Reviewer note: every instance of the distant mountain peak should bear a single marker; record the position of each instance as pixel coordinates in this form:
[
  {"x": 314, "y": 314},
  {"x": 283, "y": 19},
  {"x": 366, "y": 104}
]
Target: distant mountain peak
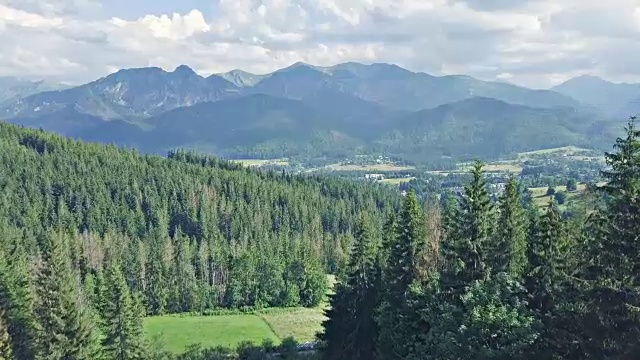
[
  {"x": 149, "y": 69},
  {"x": 241, "y": 78},
  {"x": 184, "y": 69},
  {"x": 299, "y": 66}
]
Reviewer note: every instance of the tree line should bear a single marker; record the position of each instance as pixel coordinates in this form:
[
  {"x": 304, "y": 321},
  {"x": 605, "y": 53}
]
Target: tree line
[{"x": 475, "y": 279}]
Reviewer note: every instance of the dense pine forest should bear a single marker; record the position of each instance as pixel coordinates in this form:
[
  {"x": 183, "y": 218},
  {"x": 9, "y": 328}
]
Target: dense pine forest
[
  {"x": 95, "y": 234},
  {"x": 94, "y": 238}
]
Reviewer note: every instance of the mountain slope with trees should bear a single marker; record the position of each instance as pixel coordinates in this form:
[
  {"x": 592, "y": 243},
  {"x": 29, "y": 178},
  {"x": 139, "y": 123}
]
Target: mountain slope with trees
[
  {"x": 264, "y": 126},
  {"x": 189, "y": 233}
]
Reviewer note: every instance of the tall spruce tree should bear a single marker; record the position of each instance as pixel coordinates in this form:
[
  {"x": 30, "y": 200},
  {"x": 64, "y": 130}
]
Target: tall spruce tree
[
  {"x": 510, "y": 245},
  {"x": 6, "y": 348},
  {"x": 389, "y": 237},
  {"x": 467, "y": 242},
  {"x": 123, "y": 338},
  {"x": 64, "y": 328},
  {"x": 546, "y": 278},
  {"x": 350, "y": 329},
  {"x": 612, "y": 266},
  {"x": 405, "y": 267},
  {"x": 17, "y": 299}
]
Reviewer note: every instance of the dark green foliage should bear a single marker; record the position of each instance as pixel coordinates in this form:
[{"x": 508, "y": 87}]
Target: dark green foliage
[
  {"x": 551, "y": 191},
  {"x": 509, "y": 248},
  {"x": 522, "y": 285},
  {"x": 123, "y": 338},
  {"x": 189, "y": 231},
  {"x": 6, "y": 344},
  {"x": 560, "y": 197},
  {"x": 546, "y": 277},
  {"x": 16, "y": 297},
  {"x": 611, "y": 263},
  {"x": 493, "y": 322},
  {"x": 467, "y": 245},
  {"x": 64, "y": 328},
  {"x": 350, "y": 323},
  {"x": 406, "y": 267},
  {"x": 572, "y": 185}
]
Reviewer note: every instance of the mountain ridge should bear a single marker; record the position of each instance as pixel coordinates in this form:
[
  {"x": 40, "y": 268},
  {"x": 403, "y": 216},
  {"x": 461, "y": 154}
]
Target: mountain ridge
[
  {"x": 307, "y": 111},
  {"x": 146, "y": 92}
]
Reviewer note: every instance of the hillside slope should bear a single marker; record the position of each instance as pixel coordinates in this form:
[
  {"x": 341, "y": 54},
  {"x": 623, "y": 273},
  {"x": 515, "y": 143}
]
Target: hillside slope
[
  {"x": 483, "y": 127},
  {"x": 190, "y": 231}
]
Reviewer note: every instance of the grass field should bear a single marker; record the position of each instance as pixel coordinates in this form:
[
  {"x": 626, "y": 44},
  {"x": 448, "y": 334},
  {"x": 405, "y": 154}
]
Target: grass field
[
  {"x": 371, "y": 167},
  {"x": 176, "y": 333},
  {"x": 261, "y": 162},
  {"x": 397, "y": 181},
  {"x": 302, "y": 324}
]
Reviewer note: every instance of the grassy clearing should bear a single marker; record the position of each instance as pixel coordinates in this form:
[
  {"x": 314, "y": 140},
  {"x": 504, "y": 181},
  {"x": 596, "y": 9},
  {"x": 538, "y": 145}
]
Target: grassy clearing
[
  {"x": 177, "y": 333},
  {"x": 262, "y": 162},
  {"x": 511, "y": 168},
  {"x": 301, "y": 323},
  {"x": 371, "y": 167},
  {"x": 541, "y": 199},
  {"x": 493, "y": 167},
  {"x": 569, "y": 150},
  {"x": 397, "y": 181}
]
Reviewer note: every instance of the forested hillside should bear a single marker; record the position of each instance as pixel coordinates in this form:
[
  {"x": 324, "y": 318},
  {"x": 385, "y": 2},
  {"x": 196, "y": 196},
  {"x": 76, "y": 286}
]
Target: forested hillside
[{"x": 190, "y": 232}]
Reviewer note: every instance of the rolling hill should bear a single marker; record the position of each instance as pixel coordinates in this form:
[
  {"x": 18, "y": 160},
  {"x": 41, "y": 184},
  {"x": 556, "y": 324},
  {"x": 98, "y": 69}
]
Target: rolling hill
[
  {"x": 492, "y": 128},
  {"x": 264, "y": 126}
]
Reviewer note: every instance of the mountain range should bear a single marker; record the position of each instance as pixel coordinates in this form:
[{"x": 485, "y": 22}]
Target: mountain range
[{"x": 311, "y": 112}]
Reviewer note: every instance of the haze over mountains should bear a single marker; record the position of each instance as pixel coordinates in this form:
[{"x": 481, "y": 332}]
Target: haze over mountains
[{"x": 334, "y": 112}]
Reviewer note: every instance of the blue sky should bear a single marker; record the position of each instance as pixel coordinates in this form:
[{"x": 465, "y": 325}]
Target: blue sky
[{"x": 537, "y": 43}]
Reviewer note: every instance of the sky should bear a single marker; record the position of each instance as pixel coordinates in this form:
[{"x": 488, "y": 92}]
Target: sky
[{"x": 535, "y": 43}]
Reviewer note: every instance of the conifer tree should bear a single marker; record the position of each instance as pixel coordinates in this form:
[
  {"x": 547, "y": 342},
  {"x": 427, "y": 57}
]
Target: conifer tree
[
  {"x": 350, "y": 328},
  {"x": 17, "y": 300},
  {"x": 6, "y": 348},
  {"x": 509, "y": 249},
  {"x": 467, "y": 243},
  {"x": 389, "y": 237},
  {"x": 64, "y": 328},
  {"x": 156, "y": 272},
  {"x": 404, "y": 268},
  {"x": 546, "y": 255},
  {"x": 612, "y": 266},
  {"x": 123, "y": 331}
]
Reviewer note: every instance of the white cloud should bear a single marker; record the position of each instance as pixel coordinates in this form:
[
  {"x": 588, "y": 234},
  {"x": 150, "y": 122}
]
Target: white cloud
[{"x": 532, "y": 42}]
